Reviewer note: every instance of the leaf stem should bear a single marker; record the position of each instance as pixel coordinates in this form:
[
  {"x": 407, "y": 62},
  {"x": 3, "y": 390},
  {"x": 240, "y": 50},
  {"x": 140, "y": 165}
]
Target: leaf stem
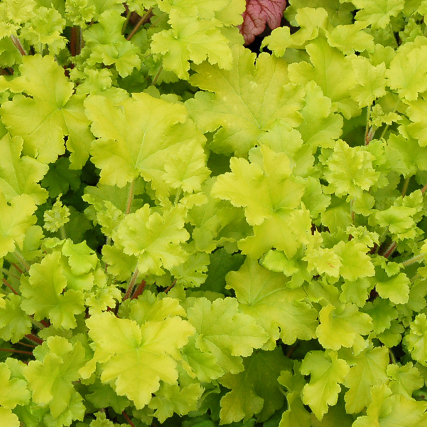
[
  {"x": 63, "y": 233},
  {"x": 10, "y": 274},
  {"x": 390, "y": 250},
  {"x": 34, "y": 338},
  {"x": 37, "y": 324},
  {"x": 170, "y": 287},
  {"x": 156, "y": 77},
  {"x": 129, "y": 421},
  {"x": 413, "y": 260},
  {"x": 21, "y": 259},
  {"x": 76, "y": 41},
  {"x": 405, "y": 185},
  {"x": 177, "y": 196},
  {"x": 130, "y": 197},
  {"x": 131, "y": 284},
  {"x": 26, "y": 345},
  {"x": 9, "y": 286},
  {"x": 10, "y": 350},
  {"x": 144, "y": 19},
  {"x": 18, "y": 45},
  {"x": 125, "y": 24},
  {"x": 17, "y": 267},
  {"x": 139, "y": 290}
]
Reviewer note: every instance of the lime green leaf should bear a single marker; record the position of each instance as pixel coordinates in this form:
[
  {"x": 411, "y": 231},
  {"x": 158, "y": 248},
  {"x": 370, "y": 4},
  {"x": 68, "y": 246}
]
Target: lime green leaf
[
  {"x": 321, "y": 260},
  {"x": 369, "y": 369},
  {"x": 50, "y": 377},
  {"x": 16, "y": 218},
  {"x": 191, "y": 39},
  {"x": 79, "y": 12},
  {"x": 56, "y": 217},
  {"x": 416, "y": 340},
  {"x": 388, "y": 410},
  {"x": 309, "y": 19},
  {"x": 14, "y": 322},
  {"x": 399, "y": 220},
  {"x": 118, "y": 263},
  {"x": 282, "y": 312},
  {"x": 355, "y": 261},
  {"x": 200, "y": 8},
  {"x": 258, "y": 93},
  {"x": 405, "y": 379},
  {"x": 392, "y": 336},
  {"x": 332, "y": 71},
  {"x": 382, "y": 314},
  {"x": 370, "y": 80},
  {"x": 43, "y": 294},
  {"x": 377, "y": 13},
  {"x": 351, "y": 38},
  {"x": 8, "y": 418},
  {"x": 171, "y": 398},
  {"x": 20, "y": 175},
  {"x": 321, "y": 126},
  {"x": 286, "y": 232},
  {"x": 255, "y": 391},
  {"x": 44, "y": 30},
  {"x": 296, "y": 415},
  {"x": 416, "y": 112},
  {"x": 13, "y": 391},
  {"x": 135, "y": 358},
  {"x": 395, "y": 288},
  {"x": 263, "y": 190},
  {"x": 405, "y": 155},
  {"x": 327, "y": 371},
  {"x": 154, "y": 307},
  {"x": 343, "y": 327},
  {"x": 105, "y": 44},
  {"x": 225, "y": 332},
  {"x": 136, "y": 136},
  {"x": 153, "y": 238},
  {"x": 186, "y": 169},
  {"x": 202, "y": 364},
  {"x": 350, "y": 170},
  {"x": 407, "y": 72},
  {"x": 193, "y": 272},
  {"x": 47, "y": 113},
  {"x": 81, "y": 258},
  {"x": 103, "y": 5}
]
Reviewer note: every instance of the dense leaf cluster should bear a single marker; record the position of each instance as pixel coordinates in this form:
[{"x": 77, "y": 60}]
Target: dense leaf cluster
[{"x": 192, "y": 234}]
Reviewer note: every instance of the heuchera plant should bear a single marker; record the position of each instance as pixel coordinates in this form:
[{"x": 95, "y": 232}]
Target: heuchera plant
[{"x": 194, "y": 235}]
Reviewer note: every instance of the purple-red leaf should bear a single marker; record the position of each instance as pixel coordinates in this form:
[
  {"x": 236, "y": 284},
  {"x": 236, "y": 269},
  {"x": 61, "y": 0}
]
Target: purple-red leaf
[{"x": 257, "y": 14}]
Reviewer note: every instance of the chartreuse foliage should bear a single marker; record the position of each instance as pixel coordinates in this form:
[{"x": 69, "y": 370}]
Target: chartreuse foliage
[{"x": 192, "y": 234}]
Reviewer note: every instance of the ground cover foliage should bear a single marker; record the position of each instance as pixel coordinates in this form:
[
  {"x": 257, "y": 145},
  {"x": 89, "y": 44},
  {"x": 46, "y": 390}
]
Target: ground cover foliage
[{"x": 192, "y": 234}]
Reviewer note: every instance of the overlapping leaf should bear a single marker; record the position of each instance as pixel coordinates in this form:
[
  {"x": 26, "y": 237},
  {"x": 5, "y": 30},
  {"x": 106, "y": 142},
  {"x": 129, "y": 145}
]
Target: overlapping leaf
[
  {"x": 244, "y": 102},
  {"x": 43, "y": 293},
  {"x": 255, "y": 391},
  {"x": 327, "y": 372},
  {"x": 47, "y": 113},
  {"x": 155, "y": 239},
  {"x": 225, "y": 332},
  {"x": 135, "y": 137},
  {"x": 135, "y": 358},
  {"x": 50, "y": 377},
  {"x": 282, "y": 312},
  {"x": 271, "y": 198}
]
